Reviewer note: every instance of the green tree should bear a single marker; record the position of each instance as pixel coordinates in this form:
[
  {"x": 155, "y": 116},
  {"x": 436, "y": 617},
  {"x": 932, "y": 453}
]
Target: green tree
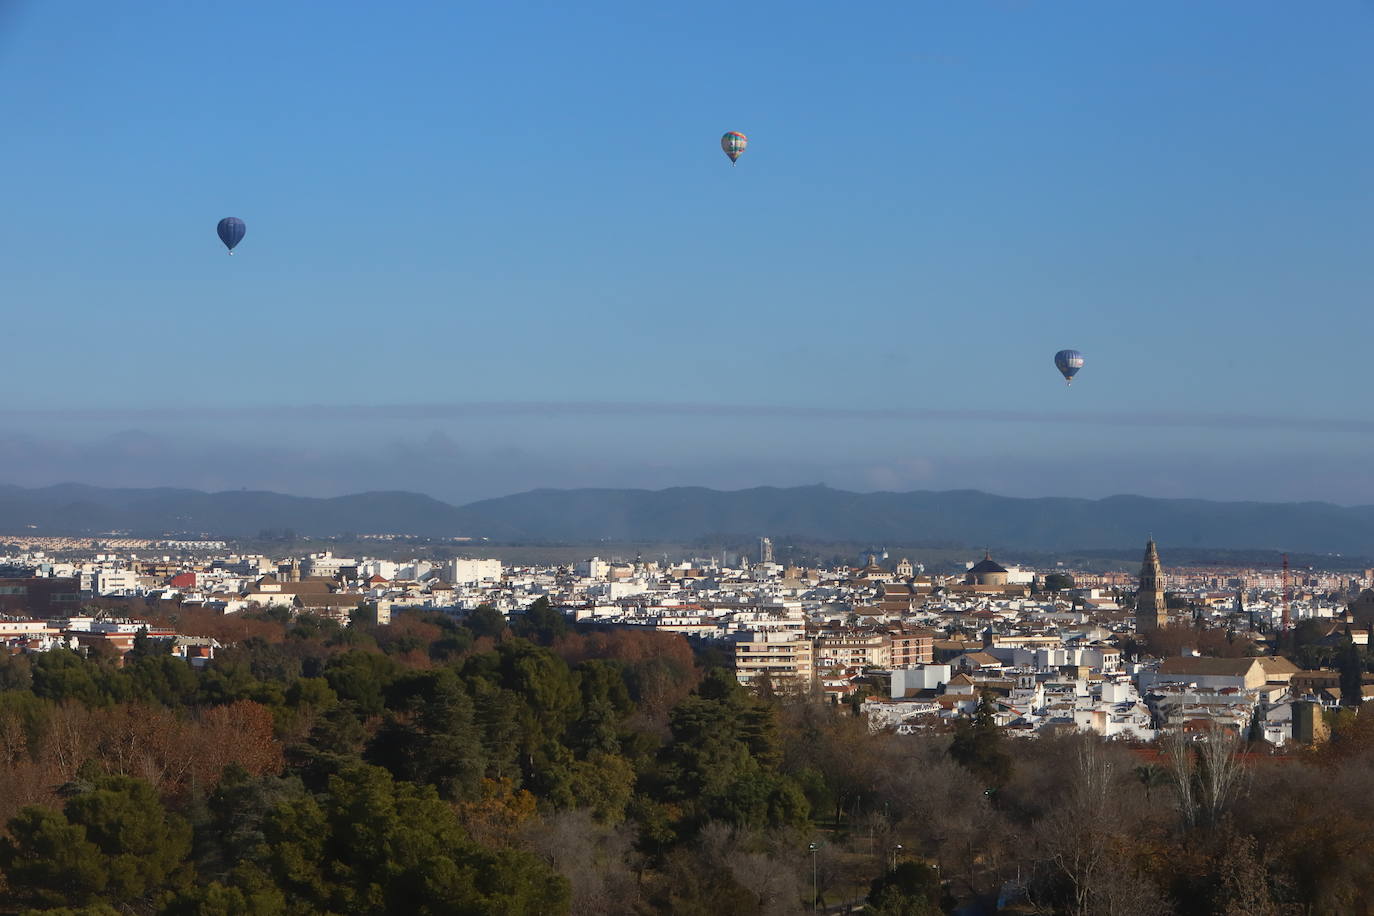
[
  {"x": 362, "y": 678},
  {"x": 230, "y": 830},
  {"x": 980, "y": 747},
  {"x": 431, "y": 735},
  {"x": 1151, "y": 776},
  {"x": 48, "y": 861},
  {"x": 1351, "y": 667},
  {"x": 485, "y": 620},
  {"x": 605, "y": 704},
  {"x": 542, "y": 622},
  {"x": 372, "y": 845},
  {"x": 162, "y": 679},
  {"x": 312, "y": 693},
  {"x": 494, "y": 711},
  {"x": 364, "y": 615},
  {"x": 1058, "y": 582},
  {"x": 251, "y": 896},
  {"x": 116, "y": 844},
  {"x": 547, "y": 688},
  {"x": 142, "y": 647},
  {"x": 61, "y": 674},
  {"x": 722, "y": 761},
  {"x": 603, "y": 783},
  {"x": 910, "y": 889},
  {"x": 144, "y": 846}
]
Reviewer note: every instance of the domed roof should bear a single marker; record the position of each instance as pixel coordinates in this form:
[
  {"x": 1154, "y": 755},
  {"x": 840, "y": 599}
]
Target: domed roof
[{"x": 987, "y": 565}]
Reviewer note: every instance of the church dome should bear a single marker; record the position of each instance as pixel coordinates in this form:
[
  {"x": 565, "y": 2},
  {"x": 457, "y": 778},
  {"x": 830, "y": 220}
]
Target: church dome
[
  {"x": 987, "y": 565},
  {"x": 987, "y": 572}
]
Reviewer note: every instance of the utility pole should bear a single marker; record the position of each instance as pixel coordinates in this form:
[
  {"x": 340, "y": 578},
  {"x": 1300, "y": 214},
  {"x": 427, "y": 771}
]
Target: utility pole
[{"x": 815, "y": 895}]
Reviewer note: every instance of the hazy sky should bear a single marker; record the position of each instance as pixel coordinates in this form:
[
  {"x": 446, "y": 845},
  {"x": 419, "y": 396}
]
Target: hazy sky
[{"x": 493, "y": 246}]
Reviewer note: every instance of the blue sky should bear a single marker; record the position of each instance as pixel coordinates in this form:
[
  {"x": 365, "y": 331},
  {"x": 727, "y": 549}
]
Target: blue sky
[{"x": 475, "y": 205}]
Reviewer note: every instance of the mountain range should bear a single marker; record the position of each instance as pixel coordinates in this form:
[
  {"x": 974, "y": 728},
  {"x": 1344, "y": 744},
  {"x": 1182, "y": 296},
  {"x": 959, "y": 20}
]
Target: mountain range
[{"x": 966, "y": 518}]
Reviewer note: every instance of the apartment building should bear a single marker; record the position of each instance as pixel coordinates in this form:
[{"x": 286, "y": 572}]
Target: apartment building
[{"x": 785, "y": 657}]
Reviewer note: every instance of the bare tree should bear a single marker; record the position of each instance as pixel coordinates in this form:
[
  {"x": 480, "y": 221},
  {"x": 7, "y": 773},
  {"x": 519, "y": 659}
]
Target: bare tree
[
  {"x": 1219, "y": 774},
  {"x": 1077, "y": 834},
  {"x": 594, "y": 858},
  {"x": 1206, "y": 774},
  {"x": 1086, "y": 849}
]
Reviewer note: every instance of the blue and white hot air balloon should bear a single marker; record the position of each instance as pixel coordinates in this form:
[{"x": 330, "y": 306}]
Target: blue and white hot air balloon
[
  {"x": 231, "y": 230},
  {"x": 1068, "y": 362}
]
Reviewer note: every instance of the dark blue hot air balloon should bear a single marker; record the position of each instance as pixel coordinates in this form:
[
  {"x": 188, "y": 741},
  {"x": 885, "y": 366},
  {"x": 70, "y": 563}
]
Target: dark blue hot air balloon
[
  {"x": 1068, "y": 362},
  {"x": 231, "y": 230}
]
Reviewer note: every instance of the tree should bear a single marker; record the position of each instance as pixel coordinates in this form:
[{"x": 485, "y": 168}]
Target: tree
[
  {"x": 485, "y": 620},
  {"x": 142, "y": 646},
  {"x": 542, "y": 622},
  {"x": 1351, "y": 667},
  {"x": 722, "y": 761},
  {"x": 431, "y": 736},
  {"x": 980, "y": 747},
  {"x": 48, "y": 861},
  {"x": 1206, "y": 775},
  {"x": 116, "y": 844},
  {"x": 603, "y": 784},
  {"x": 910, "y": 889},
  {"x": 230, "y": 829},
  {"x": 362, "y": 677},
  {"x": 605, "y": 704},
  {"x": 161, "y": 678},
  {"x": 364, "y": 615},
  {"x": 1151, "y": 776},
  {"x": 369, "y": 844},
  {"x": 1058, "y": 582},
  {"x": 144, "y": 846},
  {"x": 61, "y": 674}
]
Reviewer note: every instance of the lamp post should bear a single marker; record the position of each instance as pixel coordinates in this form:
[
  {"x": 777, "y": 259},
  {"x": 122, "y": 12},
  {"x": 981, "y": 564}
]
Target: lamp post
[
  {"x": 814, "y": 894},
  {"x": 895, "y": 849}
]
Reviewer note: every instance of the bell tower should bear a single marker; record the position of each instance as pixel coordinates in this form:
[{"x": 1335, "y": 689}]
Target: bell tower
[{"x": 1151, "y": 613}]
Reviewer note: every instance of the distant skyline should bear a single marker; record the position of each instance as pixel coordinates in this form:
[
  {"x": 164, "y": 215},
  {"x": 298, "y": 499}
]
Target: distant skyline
[{"x": 496, "y": 246}]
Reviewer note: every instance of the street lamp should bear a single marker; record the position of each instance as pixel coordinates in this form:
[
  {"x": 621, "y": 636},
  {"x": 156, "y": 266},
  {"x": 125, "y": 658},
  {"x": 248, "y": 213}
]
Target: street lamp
[
  {"x": 895, "y": 849},
  {"x": 814, "y": 895}
]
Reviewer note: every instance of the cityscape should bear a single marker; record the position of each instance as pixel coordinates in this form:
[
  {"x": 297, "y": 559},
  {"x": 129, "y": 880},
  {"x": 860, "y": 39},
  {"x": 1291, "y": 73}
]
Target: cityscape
[
  {"x": 1262, "y": 665},
  {"x": 1058, "y": 649},
  {"x": 506, "y": 458}
]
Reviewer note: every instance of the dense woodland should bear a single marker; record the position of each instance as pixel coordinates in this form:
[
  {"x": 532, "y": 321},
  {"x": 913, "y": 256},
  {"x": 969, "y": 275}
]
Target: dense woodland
[{"x": 445, "y": 767}]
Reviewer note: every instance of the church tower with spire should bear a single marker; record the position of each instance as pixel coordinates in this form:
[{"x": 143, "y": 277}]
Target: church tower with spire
[{"x": 1151, "y": 613}]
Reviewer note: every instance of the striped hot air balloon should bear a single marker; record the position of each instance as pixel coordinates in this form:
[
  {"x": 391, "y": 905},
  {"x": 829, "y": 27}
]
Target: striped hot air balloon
[
  {"x": 1068, "y": 362},
  {"x": 734, "y": 144}
]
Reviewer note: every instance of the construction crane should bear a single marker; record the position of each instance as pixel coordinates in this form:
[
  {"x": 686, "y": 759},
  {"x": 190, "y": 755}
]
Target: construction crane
[{"x": 1287, "y": 594}]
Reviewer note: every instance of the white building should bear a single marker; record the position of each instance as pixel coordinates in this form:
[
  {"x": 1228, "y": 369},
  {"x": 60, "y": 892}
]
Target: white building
[
  {"x": 324, "y": 565},
  {"x": 906, "y": 681},
  {"x": 115, "y": 582},
  {"x": 595, "y": 568},
  {"x": 472, "y": 572}
]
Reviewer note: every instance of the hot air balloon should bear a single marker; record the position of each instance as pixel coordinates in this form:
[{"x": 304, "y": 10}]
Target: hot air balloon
[
  {"x": 734, "y": 144},
  {"x": 231, "y": 230},
  {"x": 1068, "y": 362}
]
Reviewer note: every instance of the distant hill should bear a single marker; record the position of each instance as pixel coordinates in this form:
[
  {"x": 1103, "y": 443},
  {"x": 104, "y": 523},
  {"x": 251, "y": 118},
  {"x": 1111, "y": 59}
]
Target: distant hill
[
  {"x": 953, "y": 518},
  {"x": 77, "y": 509}
]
